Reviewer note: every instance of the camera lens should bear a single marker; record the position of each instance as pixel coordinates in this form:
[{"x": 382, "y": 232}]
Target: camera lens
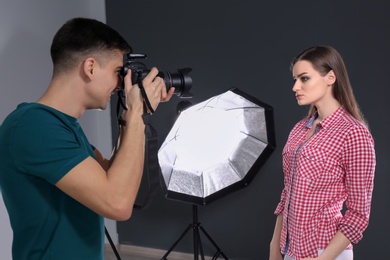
[{"x": 180, "y": 80}]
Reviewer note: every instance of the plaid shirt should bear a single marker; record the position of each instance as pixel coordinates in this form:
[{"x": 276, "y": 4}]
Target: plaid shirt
[{"x": 334, "y": 166}]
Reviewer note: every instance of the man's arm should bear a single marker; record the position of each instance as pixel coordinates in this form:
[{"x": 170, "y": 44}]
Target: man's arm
[
  {"x": 104, "y": 163},
  {"x": 111, "y": 193}
]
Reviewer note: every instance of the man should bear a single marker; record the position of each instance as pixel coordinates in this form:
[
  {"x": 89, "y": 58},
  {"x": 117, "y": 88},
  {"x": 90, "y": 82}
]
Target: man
[{"x": 56, "y": 186}]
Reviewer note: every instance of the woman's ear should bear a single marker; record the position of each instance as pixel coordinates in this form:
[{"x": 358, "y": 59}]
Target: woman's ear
[{"x": 330, "y": 78}]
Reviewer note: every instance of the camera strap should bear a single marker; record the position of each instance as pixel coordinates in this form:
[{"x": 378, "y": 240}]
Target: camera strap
[
  {"x": 122, "y": 98},
  {"x": 151, "y": 169},
  {"x": 144, "y": 96},
  {"x": 151, "y": 165}
]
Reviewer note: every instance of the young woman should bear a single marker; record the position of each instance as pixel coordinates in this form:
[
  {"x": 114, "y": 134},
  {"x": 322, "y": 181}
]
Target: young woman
[{"x": 328, "y": 160}]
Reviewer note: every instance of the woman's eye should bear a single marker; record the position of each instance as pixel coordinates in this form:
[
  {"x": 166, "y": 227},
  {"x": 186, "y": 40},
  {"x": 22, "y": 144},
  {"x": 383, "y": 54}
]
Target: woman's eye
[{"x": 304, "y": 79}]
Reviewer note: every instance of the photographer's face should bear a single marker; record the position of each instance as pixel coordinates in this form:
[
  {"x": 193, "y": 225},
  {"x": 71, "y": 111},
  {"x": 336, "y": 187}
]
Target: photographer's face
[{"x": 107, "y": 80}]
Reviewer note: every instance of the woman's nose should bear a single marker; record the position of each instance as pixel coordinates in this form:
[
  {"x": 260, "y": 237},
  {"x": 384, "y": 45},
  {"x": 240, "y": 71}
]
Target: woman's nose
[{"x": 295, "y": 86}]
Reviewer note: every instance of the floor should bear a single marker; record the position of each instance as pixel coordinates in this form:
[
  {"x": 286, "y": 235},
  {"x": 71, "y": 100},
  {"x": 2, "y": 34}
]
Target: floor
[
  {"x": 110, "y": 255},
  {"x": 139, "y": 253}
]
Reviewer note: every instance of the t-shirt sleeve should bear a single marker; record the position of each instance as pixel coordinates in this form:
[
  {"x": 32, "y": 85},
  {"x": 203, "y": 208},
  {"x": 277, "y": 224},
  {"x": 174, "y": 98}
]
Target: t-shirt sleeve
[{"x": 47, "y": 146}]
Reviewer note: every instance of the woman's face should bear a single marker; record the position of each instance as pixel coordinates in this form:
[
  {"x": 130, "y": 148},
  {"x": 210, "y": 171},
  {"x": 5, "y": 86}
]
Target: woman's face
[{"x": 310, "y": 87}]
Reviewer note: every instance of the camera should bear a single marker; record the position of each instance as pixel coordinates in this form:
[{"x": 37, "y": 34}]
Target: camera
[{"x": 180, "y": 80}]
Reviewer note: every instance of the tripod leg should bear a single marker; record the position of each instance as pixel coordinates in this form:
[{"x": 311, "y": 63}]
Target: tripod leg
[
  {"x": 197, "y": 244},
  {"x": 112, "y": 244},
  {"x": 219, "y": 251},
  {"x": 177, "y": 242},
  {"x": 198, "y": 249}
]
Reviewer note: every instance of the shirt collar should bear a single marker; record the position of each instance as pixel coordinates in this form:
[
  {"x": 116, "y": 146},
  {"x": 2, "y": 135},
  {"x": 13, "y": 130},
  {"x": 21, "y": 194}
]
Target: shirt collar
[
  {"x": 310, "y": 123},
  {"x": 327, "y": 121}
]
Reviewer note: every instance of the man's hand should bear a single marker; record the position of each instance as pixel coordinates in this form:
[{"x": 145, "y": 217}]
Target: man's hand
[{"x": 154, "y": 86}]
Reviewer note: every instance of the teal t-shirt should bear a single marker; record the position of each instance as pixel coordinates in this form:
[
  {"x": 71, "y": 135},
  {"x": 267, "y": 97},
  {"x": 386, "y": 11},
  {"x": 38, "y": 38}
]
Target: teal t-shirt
[{"x": 38, "y": 146}]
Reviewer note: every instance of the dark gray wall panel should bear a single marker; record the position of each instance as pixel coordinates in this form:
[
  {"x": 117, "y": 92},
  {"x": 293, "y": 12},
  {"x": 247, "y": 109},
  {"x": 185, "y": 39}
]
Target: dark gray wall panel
[{"x": 249, "y": 44}]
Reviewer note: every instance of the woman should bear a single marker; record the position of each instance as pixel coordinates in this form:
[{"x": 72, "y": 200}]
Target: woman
[{"x": 328, "y": 160}]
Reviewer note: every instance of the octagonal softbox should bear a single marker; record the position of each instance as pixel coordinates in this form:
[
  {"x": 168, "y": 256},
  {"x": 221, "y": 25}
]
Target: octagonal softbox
[{"x": 216, "y": 147}]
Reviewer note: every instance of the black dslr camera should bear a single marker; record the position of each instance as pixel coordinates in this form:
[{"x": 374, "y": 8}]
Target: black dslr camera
[{"x": 180, "y": 80}]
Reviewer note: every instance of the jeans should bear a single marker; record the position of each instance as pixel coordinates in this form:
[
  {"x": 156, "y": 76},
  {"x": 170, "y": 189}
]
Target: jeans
[{"x": 345, "y": 255}]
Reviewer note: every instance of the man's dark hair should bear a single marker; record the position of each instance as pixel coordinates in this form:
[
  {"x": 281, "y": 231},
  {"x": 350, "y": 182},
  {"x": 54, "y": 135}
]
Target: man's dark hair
[{"x": 79, "y": 38}]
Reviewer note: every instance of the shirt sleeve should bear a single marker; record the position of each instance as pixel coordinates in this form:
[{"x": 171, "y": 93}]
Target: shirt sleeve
[
  {"x": 46, "y": 146},
  {"x": 280, "y": 207},
  {"x": 359, "y": 162}
]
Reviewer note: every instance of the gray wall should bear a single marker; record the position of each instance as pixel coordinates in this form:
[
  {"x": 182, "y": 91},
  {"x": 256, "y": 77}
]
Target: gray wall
[
  {"x": 249, "y": 44},
  {"x": 26, "y": 31}
]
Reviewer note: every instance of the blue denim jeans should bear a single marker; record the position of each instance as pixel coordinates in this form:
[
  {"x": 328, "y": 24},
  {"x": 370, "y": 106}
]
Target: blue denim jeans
[{"x": 345, "y": 255}]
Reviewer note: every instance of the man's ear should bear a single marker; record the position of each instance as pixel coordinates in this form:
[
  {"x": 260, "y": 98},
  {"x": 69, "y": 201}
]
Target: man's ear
[
  {"x": 88, "y": 67},
  {"x": 331, "y": 78}
]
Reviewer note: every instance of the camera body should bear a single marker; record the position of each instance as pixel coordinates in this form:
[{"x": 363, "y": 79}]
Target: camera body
[{"x": 180, "y": 80}]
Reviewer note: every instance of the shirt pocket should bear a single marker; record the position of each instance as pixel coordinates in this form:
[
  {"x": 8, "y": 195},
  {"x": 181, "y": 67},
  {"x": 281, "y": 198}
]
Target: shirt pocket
[
  {"x": 311, "y": 163},
  {"x": 289, "y": 156}
]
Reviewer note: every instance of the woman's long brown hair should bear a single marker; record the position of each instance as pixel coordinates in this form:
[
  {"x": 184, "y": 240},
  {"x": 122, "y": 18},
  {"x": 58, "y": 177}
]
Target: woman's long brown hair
[{"x": 325, "y": 59}]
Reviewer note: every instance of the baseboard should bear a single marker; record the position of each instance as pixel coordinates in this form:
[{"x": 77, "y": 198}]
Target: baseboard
[{"x": 153, "y": 253}]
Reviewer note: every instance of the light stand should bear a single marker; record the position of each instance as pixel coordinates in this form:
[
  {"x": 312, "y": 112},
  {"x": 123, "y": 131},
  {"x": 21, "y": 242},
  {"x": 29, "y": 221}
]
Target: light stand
[
  {"x": 214, "y": 148},
  {"x": 196, "y": 228},
  {"x": 112, "y": 244}
]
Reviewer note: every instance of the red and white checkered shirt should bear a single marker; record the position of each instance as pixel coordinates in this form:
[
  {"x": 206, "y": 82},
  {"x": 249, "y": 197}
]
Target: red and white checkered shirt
[{"x": 336, "y": 165}]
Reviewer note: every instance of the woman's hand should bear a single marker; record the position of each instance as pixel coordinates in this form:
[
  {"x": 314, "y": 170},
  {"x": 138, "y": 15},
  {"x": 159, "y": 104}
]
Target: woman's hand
[
  {"x": 274, "y": 247},
  {"x": 274, "y": 251}
]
